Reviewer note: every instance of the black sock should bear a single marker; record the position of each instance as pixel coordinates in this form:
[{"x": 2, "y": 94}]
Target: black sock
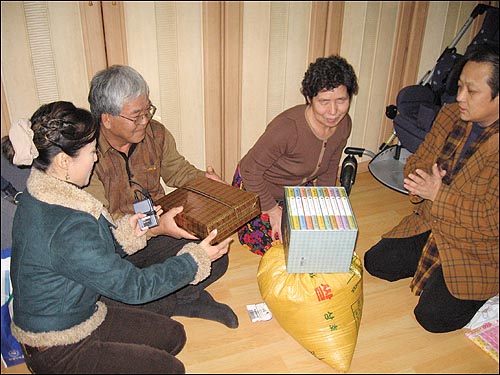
[{"x": 206, "y": 307}]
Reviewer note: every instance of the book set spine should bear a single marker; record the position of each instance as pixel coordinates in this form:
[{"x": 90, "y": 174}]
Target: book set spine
[
  {"x": 305, "y": 205},
  {"x": 319, "y": 208},
  {"x": 347, "y": 208},
  {"x": 293, "y": 212},
  {"x": 312, "y": 209}
]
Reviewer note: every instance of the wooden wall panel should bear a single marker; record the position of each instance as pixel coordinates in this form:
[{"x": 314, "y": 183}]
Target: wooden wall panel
[
  {"x": 114, "y": 31},
  {"x": 41, "y": 50},
  {"x": 255, "y": 75},
  {"x": 213, "y": 29},
  {"x": 405, "y": 54},
  {"x": 93, "y": 37},
  {"x": 5, "y": 114},
  {"x": 327, "y": 19},
  {"x": 296, "y": 53},
  {"x": 232, "y": 86},
  {"x": 367, "y": 39},
  {"x": 68, "y": 48},
  {"x": 191, "y": 84},
  {"x": 43, "y": 57},
  {"x": 168, "y": 51},
  {"x": 18, "y": 78},
  {"x": 220, "y": 71},
  {"x": 433, "y": 37},
  {"x": 275, "y": 57},
  {"x": 278, "y": 35}
]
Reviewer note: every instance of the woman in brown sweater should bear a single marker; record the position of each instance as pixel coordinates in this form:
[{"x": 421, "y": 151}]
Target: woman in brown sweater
[{"x": 301, "y": 146}]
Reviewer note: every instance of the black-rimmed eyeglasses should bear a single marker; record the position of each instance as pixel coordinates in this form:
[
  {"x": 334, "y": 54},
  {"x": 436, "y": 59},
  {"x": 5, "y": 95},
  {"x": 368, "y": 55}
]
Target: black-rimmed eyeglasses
[{"x": 140, "y": 118}]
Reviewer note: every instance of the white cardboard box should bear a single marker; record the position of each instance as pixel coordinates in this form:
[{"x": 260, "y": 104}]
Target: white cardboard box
[{"x": 319, "y": 229}]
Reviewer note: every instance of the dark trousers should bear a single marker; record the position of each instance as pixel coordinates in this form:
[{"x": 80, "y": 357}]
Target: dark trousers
[
  {"x": 157, "y": 251},
  {"x": 129, "y": 341},
  {"x": 437, "y": 309}
]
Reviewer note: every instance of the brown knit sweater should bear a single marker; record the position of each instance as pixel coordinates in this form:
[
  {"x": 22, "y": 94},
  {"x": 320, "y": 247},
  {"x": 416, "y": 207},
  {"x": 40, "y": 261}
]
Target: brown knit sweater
[{"x": 288, "y": 153}]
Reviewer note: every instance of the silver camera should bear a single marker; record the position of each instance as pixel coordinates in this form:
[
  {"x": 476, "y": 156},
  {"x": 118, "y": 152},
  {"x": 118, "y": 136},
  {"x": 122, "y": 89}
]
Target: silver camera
[{"x": 146, "y": 207}]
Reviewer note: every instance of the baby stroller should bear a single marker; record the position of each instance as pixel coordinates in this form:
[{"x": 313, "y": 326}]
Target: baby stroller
[{"x": 416, "y": 108}]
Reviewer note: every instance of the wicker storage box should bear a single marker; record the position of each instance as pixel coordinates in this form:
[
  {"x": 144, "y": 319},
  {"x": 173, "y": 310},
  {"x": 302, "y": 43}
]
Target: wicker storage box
[
  {"x": 210, "y": 205},
  {"x": 319, "y": 229}
]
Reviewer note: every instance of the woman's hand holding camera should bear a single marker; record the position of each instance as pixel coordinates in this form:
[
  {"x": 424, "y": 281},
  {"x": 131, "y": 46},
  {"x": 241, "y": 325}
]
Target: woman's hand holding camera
[{"x": 134, "y": 221}]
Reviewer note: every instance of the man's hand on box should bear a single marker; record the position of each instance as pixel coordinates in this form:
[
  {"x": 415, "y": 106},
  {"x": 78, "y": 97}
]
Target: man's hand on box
[
  {"x": 210, "y": 173},
  {"x": 168, "y": 226}
]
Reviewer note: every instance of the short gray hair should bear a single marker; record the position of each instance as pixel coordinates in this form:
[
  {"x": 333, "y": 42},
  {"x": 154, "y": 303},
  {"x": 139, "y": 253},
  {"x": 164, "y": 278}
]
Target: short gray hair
[{"x": 112, "y": 87}]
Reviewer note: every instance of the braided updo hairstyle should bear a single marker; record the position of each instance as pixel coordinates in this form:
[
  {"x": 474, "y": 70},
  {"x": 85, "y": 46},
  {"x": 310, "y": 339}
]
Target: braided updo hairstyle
[{"x": 57, "y": 126}]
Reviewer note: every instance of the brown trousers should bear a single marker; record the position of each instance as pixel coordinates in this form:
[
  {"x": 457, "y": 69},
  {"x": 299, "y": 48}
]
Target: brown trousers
[{"x": 131, "y": 340}]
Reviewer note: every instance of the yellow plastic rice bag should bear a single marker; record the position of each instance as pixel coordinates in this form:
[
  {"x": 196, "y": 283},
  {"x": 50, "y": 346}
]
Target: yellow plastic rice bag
[{"x": 321, "y": 311}]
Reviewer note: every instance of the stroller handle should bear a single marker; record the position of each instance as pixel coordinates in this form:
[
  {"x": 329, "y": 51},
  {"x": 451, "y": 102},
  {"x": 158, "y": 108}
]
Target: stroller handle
[
  {"x": 358, "y": 151},
  {"x": 478, "y": 10}
]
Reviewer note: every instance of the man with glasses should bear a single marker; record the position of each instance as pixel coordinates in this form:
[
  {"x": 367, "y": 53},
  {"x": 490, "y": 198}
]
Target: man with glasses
[
  {"x": 449, "y": 243},
  {"x": 135, "y": 152}
]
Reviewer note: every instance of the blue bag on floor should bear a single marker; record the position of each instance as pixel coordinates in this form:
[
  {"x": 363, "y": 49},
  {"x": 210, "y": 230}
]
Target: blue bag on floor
[
  {"x": 13, "y": 183},
  {"x": 12, "y": 353}
]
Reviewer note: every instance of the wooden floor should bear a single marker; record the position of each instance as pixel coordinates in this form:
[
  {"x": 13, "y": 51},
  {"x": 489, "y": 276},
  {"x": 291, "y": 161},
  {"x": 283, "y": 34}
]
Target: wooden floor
[{"x": 389, "y": 341}]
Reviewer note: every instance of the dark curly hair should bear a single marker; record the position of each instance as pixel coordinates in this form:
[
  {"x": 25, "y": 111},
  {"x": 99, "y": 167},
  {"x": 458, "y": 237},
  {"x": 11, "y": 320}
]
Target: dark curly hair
[
  {"x": 327, "y": 73},
  {"x": 57, "y": 126}
]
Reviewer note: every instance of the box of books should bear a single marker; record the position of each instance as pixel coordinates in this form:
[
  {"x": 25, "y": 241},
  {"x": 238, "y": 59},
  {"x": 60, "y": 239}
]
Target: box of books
[{"x": 319, "y": 229}]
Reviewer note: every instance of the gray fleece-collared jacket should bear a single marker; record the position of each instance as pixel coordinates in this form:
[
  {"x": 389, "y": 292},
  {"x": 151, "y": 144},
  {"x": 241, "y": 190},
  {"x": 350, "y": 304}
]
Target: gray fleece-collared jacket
[{"x": 67, "y": 251}]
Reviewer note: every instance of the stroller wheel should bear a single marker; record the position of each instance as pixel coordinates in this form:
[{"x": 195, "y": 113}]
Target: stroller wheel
[{"x": 348, "y": 173}]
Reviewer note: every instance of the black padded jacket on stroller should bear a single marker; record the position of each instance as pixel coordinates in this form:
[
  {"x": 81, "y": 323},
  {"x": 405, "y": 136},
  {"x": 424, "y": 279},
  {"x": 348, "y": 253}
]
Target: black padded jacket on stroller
[{"x": 418, "y": 105}]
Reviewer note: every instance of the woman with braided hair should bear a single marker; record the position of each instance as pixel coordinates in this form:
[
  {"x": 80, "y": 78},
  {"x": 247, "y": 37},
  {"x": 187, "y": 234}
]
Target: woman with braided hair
[{"x": 67, "y": 251}]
